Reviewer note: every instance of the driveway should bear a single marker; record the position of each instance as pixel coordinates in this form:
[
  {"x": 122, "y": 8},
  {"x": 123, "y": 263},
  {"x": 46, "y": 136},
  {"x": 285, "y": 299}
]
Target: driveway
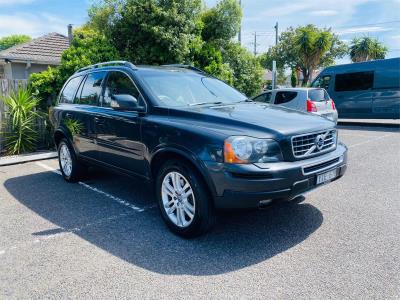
[{"x": 104, "y": 238}]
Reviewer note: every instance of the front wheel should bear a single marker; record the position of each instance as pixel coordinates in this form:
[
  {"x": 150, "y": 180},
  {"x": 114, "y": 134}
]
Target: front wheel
[
  {"x": 70, "y": 167},
  {"x": 183, "y": 199}
]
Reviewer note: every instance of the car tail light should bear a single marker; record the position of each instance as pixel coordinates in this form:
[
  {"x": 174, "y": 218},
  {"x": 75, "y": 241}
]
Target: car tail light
[
  {"x": 333, "y": 105},
  {"x": 311, "y": 106}
]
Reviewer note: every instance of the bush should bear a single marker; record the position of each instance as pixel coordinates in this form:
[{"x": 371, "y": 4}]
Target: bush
[{"x": 19, "y": 129}]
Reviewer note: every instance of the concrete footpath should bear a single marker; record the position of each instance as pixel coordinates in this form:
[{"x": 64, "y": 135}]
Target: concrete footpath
[
  {"x": 23, "y": 158},
  {"x": 391, "y": 123}
]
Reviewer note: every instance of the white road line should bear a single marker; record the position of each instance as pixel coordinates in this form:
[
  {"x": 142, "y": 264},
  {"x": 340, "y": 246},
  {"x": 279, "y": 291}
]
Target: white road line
[
  {"x": 94, "y": 189},
  {"x": 370, "y": 140}
]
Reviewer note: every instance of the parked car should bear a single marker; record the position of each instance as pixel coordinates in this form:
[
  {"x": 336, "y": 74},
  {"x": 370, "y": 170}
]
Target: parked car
[
  {"x": 203, "y": 144},
  {"x": 364, "y": 90},
  {"x": 312, "y": 100}
]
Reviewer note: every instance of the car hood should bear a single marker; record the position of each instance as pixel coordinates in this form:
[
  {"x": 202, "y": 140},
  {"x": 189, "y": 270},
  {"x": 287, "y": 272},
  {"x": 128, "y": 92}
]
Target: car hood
[{"x": 250, "y": 116}]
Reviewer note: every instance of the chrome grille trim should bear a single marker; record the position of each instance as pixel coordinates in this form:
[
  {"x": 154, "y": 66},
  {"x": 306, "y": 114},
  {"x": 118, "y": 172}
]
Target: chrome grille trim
[{"x": 305, "y": 145}]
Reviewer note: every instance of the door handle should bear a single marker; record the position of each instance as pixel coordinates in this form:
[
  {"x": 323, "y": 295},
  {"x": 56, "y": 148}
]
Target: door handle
[{"x": 98, "y": 120}]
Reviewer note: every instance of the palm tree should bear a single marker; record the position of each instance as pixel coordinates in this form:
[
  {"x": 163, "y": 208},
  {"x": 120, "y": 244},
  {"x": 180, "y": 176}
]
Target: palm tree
[
  {"x": 311, "y": 44},
  {"x": 366, "y": 48}
]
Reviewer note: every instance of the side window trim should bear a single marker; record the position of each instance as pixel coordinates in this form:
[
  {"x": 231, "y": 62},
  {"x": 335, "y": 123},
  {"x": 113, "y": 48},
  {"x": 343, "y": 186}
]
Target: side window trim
[
  {"x": 79, "y": 89},
  {"x": 101, "y": 103}
]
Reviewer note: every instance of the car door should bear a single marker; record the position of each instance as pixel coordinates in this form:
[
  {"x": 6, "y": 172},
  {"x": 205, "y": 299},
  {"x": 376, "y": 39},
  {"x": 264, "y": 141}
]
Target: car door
[
  {"x": 82, "y": 120},
  {"x": 353, "y": 93},
  {"x": 118, "y": 125}
]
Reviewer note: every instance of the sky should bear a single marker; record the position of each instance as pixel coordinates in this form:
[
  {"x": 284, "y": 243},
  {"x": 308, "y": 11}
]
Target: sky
[{"x": 347, "y": 18}]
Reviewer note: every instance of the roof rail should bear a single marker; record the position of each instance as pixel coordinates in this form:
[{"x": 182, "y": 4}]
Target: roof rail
[
  {"x": 108, "y": 63},
  {"x": 185, "y": 67}
]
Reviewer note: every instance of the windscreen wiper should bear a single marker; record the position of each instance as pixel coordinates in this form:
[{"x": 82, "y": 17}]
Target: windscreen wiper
[
  {"x": 204, "y": 103},
  {"x": 247, "y": 100}
]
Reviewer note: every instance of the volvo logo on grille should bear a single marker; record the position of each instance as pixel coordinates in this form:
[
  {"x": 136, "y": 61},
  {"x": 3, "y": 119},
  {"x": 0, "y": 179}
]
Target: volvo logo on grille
[{"x": 319, "y": 142}]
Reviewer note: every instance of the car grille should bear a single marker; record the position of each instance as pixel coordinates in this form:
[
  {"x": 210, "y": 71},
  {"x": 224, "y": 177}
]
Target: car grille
[{"x": 314, "y": 143}]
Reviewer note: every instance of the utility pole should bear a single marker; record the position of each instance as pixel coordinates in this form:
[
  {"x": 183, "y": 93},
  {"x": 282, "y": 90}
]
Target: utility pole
[
  {"x": 240, "y": 28},
  {"x": 255, "y": 43},
  {"x": 276, "y": 33}
]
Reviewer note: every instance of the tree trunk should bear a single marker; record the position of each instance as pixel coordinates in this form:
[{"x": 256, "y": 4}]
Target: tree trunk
[{"x": 306, "y": 76}]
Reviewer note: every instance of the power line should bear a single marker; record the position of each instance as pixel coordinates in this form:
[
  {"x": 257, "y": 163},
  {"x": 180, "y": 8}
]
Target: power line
[{"x": 370, "y": 24}]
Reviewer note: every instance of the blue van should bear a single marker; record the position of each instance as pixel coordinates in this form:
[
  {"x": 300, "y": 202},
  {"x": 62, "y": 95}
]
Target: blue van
[{"x": 364, "y": 90}]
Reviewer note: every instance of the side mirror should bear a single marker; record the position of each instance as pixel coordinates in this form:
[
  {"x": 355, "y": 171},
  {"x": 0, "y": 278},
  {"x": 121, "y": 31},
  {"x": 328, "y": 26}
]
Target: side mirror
[{"x": 124, "y": 102}]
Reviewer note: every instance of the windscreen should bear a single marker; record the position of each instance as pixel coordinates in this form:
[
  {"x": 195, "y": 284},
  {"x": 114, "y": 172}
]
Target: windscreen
[
  {"x": 318, "y": 95},
  {"x": 177, "y": 89}
]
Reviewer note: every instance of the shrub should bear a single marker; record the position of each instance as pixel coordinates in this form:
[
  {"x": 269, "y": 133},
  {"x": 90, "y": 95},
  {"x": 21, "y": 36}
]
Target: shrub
[{"x": 19, "y": 127}]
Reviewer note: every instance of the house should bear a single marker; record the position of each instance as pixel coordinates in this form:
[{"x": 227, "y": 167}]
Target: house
[{"x": 37, "y": 55}]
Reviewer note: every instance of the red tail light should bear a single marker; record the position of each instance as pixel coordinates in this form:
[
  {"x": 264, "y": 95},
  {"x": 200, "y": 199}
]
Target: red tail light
[
  {"x": 333, "y": 105},
  {"x": 311, "y": 106}
]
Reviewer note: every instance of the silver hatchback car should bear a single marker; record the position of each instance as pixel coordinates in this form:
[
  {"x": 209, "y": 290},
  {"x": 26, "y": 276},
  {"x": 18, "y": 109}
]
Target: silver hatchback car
[{"x": 312, "y": 100}]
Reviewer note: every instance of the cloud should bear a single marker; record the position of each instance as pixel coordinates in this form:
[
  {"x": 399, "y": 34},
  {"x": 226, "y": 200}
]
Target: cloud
[
  {"x": 365, "y": 29},
  {"x": 324, "y": 13},
  {"x": 32, "y": 25}
]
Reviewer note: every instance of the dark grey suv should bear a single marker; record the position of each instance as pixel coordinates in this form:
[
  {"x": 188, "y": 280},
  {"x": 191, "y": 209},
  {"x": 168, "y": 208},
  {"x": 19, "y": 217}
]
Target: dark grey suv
[{"x": 202, "y": 143}]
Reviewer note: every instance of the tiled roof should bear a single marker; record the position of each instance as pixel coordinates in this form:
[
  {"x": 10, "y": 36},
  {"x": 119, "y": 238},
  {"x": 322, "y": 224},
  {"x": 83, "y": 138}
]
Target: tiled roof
[{"x": 46, "y": 49}]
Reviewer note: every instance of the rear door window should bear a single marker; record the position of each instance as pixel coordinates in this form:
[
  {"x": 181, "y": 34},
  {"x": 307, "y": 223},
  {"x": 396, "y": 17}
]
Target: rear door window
[
  {"x": 318, "y": 95},
  {"x": 91, "y": 89},
  {"x": 354, "y": 81},
  {"x": 284, "y": 96},
  {"x": 68, "y": 93}
]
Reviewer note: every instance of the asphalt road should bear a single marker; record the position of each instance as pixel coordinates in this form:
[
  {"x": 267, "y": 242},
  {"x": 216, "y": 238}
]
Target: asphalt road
[{"x": 103, "y": 238}]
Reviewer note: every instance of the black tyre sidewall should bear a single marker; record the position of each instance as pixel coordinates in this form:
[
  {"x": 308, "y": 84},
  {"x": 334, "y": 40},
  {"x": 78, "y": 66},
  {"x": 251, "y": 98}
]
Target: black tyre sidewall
[{"x": 204, "y": 210}]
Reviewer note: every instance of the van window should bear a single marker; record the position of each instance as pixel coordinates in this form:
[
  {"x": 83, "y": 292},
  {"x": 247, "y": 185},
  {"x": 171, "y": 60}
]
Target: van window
[
  {"x": 91, "y": 90},
  {"x": 68, "y": 93},
  {"x": 284, "y": 96},
  {"x": 354, "y": 81},
  {"x": 322, "y": 82},
  {"x": 318, "y": 95}
]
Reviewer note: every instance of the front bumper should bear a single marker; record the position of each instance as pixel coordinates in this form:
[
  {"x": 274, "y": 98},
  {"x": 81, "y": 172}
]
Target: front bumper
[{"x": 244, "y": 186}]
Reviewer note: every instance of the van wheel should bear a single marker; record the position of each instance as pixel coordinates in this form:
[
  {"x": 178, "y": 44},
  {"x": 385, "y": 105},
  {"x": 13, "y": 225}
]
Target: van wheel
[
  {"x": 183, "y": 200},
  {"x": 71, "y": 169}
]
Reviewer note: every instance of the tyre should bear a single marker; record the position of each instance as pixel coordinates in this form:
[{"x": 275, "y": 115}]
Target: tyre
[
  {"x": 71, "y": 169},
  {"x": 184, "y": 200}
]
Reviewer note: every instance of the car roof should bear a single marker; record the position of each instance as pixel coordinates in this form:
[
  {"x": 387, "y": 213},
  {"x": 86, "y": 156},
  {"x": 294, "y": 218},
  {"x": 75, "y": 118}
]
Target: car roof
[
  {"x": 124, "y": 65},
  {"x": 299, "y": 89}
]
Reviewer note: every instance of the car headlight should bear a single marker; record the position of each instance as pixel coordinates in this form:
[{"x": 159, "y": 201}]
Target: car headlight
[{"x": 247, "y": 150}]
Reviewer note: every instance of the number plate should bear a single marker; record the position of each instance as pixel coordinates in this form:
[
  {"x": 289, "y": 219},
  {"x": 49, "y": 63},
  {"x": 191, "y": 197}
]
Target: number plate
[{"x": 326, "y": 177}]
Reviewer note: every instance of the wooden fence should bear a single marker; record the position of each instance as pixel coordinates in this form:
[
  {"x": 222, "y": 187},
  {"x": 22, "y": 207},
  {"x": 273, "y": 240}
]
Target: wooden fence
[{"x": 6, "y": 86}]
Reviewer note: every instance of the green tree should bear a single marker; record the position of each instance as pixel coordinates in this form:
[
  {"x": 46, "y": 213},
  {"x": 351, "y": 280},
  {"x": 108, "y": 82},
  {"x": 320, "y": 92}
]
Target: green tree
[
  {"x": 306, "y": 48},
  {"x": 366, "y": 48},
  {"x": 222, "y": 22},
  {"x": 12, "y": 40},
  {"x": 209, "y": 58},
  {"x": 293, "y": 78},
  {"x": 151, "y": 31},
  {"x": 247, "y": 70}
]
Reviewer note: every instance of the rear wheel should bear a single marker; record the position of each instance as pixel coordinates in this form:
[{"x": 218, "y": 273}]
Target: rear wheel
[
  {"x": 183, "y": 199},
  {"x": 71, "y": 169}
]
